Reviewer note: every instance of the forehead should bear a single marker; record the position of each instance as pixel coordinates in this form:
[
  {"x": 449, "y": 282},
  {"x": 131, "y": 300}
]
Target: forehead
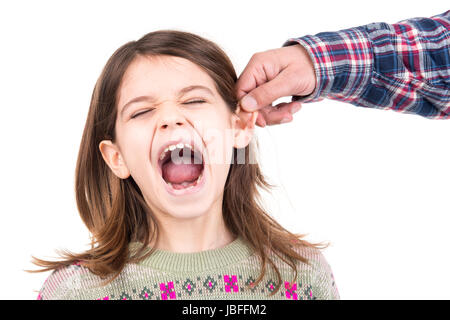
[{"x": 161, "y": 75}]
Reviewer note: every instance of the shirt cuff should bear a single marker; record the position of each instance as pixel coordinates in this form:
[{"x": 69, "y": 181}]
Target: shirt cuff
[{"x": 342, "y": 61}]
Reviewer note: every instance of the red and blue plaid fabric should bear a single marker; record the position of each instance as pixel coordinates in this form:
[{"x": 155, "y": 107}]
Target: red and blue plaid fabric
[{"x": 403, "y": 67}]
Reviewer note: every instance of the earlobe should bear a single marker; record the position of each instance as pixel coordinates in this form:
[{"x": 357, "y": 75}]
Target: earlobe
[
  {"x": 244, "y": 127},
  {"x": 113, "y": 159}
]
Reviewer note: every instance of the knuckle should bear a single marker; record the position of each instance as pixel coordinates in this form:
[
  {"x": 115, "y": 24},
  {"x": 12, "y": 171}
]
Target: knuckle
[{"x": 257, "y": 56}]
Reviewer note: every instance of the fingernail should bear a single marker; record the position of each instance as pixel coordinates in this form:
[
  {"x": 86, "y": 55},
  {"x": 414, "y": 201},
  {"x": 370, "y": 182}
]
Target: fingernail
[
  {"x": 249, "y": 103},
  {"x": 263, "y": 123},
  {"x": 296, "y": 108}
]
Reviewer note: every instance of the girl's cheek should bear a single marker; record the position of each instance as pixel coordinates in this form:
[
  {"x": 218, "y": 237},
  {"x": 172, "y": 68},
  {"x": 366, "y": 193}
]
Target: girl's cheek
[{"x": 218, "y": 141}]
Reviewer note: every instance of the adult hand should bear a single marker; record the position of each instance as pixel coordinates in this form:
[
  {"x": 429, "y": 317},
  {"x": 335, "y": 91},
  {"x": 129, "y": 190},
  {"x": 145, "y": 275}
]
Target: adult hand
[{"x": 273, "y": 74}]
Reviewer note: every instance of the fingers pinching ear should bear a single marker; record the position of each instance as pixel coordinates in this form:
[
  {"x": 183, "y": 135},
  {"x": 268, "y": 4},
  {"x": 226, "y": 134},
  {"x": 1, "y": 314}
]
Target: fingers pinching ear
[{"x": 248, "y": 119}]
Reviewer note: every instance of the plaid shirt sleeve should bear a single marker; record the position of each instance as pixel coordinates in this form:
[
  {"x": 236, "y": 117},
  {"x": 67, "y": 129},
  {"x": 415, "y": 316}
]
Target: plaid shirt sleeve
[{"x": 403, "y": 67}]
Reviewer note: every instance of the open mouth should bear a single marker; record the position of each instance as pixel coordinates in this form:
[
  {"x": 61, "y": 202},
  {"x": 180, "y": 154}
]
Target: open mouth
[{"x": 181, "y": 168}]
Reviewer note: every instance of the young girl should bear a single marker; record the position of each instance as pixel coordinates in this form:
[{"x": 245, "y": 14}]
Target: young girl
[{"x": 167, "y": 185}]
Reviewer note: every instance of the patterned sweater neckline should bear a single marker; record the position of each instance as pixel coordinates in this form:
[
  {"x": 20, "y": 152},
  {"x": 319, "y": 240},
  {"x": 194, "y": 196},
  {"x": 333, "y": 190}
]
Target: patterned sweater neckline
[{"x": 229, "y": 254}]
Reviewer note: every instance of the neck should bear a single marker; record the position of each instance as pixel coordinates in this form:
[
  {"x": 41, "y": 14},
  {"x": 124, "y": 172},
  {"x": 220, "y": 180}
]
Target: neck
[
  {"x": 194, "y": 236},
  {"x": 204, "y": 232}
]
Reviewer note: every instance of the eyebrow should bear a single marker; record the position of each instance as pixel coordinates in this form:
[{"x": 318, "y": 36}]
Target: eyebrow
[{"x": 153, "y": 99}]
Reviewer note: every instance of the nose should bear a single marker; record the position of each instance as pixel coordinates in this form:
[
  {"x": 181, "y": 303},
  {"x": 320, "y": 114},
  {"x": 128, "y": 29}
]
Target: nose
[{"x": 171, "y": 117}]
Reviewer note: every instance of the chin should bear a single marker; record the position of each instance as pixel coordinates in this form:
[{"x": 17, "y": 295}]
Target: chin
[{"x": 188, "y": 211}]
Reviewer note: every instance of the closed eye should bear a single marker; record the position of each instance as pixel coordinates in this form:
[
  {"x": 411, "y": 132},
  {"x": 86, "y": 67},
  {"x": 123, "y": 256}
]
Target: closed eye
[
  {"x": 195, "y": 101},
  {"x": 139, "y": 113}
]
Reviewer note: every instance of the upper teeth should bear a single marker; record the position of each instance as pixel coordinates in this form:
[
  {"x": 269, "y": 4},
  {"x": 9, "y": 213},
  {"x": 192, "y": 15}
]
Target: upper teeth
[{"x": 173, "y": 147}]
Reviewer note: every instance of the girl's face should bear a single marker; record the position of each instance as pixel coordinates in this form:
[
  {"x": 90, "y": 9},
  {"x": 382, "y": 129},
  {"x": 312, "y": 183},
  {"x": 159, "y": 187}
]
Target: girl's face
[{"x": 174, "y": 101}]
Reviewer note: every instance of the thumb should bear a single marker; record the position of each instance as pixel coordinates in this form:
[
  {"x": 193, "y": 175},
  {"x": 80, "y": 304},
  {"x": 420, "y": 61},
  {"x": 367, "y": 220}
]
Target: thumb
[{"x": 267, "y": 93}]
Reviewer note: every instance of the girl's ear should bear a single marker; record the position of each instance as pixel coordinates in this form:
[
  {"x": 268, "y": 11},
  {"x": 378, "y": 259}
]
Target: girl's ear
[
  {"x": 244, "y": 125},
  {"x": 113, "y": 159}
]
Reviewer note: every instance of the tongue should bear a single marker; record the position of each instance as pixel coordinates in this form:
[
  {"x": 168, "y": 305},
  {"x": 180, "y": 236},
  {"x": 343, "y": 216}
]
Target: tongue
[{"x": 179, "y": 173}]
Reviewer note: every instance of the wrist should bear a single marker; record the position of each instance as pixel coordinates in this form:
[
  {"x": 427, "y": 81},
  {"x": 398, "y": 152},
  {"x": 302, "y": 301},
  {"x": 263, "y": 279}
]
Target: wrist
[
  {"x": 313, "y": 71},
  {"x": 343, "y": 62}
]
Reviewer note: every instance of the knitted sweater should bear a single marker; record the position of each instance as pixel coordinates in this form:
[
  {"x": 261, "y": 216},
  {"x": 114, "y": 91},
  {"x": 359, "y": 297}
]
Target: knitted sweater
[{"x": 216, "y": 274}]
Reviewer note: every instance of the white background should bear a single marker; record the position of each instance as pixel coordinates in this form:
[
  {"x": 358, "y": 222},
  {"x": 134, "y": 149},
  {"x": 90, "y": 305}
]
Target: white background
[{"x": 374, "y": 183}]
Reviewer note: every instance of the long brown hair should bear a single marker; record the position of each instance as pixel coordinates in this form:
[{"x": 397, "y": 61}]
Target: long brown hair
[{"x": 114, "y": 209}]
